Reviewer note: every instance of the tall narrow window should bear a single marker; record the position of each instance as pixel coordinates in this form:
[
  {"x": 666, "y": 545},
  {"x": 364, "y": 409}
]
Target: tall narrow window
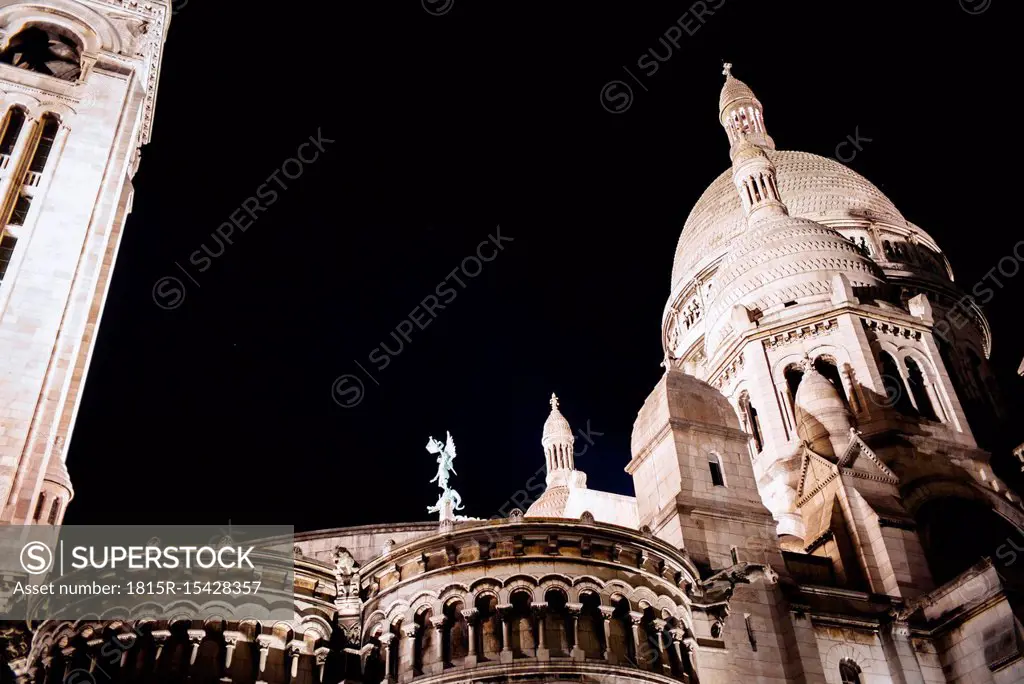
[
  {"x": 40, "y": 507},
  {"x": 50, "y": 126},
  {"x": 7, "y": 244},
  {"x": 717, "y": 476},
  {"x": 12, "y": 129},
  {"x": 849, "y": 672},
  {"x": 896, "y": 394},
  {"x": 918, "y": 389},
  {"x": 54, "y": 509},
  {"x": 20, "y": 211}
]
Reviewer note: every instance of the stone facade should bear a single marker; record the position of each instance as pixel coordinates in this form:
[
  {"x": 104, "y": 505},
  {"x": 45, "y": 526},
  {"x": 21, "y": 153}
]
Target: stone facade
[
  {"x": 78, "y": 82},
  {"x": 811, "y": 501}
]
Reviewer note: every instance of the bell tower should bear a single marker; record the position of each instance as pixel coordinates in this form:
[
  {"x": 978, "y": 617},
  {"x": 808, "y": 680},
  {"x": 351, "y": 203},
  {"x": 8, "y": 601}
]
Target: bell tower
[{"x": 78, "y": 81}]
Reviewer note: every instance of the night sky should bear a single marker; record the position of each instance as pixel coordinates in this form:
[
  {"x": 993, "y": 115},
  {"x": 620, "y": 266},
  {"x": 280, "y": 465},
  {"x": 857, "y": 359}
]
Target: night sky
[{"x": 222, "y": 405}]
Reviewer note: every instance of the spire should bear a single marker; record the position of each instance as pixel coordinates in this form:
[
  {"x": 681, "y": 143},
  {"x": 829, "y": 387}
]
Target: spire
[
  {"x": 741, "y": 114},
  {"x": 562, "y": 477},
  {"x": 557, "y": 440},
  {"x": 752, "y": 170}
]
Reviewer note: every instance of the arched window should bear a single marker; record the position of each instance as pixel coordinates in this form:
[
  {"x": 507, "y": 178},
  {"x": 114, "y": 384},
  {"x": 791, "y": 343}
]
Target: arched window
[
  {"x": 717, "y": 472},
  {"x": 849, "y": 672},
  {"x": 917, "y": 387},
  {"x": 896, "y": 394},
  {"x": 46, "y": 50}
]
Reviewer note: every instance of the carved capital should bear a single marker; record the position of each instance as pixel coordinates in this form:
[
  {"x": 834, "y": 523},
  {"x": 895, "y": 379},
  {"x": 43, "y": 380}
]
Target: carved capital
[
  {"x": 607, "y": 612},
  {"x": 385, "y": 639},
  {"x": 636, "y": 619},
  {"x": 575, "y": 609},
  {"x": 471, "y": 615},
  {"x": 659, "y": 624},
  {"x": 410, "y": 631},
  {"x": 438, "y": 622},
  {"x": 678, "y": 635},
  {"x": 504, "y": 611}
]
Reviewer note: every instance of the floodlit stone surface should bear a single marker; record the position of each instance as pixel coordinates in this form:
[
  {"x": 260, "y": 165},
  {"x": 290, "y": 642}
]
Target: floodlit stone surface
[{"x": 800, "y": 469}]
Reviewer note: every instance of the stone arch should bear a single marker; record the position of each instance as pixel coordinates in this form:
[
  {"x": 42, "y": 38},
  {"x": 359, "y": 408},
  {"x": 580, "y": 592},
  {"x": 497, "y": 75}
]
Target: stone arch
[
  {"x": 555, "y": 621},
  {"x": 518, "y": 583},
  {"x": 584, "y": 584},
  {"x": 858, "y": 653},
  {"x": 522, "y": 636},
  {"x": 618, "y": 587},
  {"x": 421, "y": 602},
  {"x": 94, "y": 31},
  {"x": 455, "y": 633},
  {"x": 317, "y": 626},
  {"x": 460, "y": 591}
]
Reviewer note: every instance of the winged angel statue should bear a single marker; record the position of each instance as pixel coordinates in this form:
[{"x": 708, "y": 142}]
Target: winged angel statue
[{"x": 450, "y": 500}]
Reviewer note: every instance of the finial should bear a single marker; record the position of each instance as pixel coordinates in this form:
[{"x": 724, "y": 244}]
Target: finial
[
  {"x": 727, "y": 69},
  {"x": 554, "y": 402}
]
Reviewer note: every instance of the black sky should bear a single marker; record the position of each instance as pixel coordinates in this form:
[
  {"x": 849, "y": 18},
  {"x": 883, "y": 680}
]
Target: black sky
[{"x": 446, "y": 127}]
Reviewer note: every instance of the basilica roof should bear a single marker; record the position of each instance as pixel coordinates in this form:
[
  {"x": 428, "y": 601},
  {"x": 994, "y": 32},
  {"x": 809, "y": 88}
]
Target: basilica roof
[{"x": 813, "y": 187}]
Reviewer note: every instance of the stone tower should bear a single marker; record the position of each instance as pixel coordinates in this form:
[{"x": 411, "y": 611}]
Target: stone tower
[{"x": 78, "y": 82}]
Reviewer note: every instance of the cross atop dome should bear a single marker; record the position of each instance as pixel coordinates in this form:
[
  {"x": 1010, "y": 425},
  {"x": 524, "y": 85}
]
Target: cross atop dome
[
  {"x": 727, "y": 68},
  {"x": 554, "y": 402}
]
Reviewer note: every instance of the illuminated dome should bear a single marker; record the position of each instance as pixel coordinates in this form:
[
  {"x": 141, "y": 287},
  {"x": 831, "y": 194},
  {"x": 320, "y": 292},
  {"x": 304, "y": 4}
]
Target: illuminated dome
[
  {"x": 814, "y": 187},
  {"x": 781, "y": 261}
]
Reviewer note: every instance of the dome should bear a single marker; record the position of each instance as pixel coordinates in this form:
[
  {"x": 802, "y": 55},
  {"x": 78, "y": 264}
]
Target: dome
[
  {"x": 733, "y": 90},
  {"x": 551, "y": 503},
  {"x": 812, "y": 186},
  {"x": 778, "y": 261},
  {"x": 57, "y": 473},
  {"x": 556, "y": 427}
]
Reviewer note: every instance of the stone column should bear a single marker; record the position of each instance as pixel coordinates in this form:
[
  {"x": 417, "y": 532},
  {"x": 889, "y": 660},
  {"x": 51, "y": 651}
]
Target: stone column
[
  {"x": 195, "y": 640},
  {"x": 385, "y": 650},
  {"x": 472, "y": 616},
  {"x": 438, "y": 623},
  {"x": 664, "y": 663},
  {"x": 540, "y": 611},
  {"x": 11, "y": 181},
  {"x": 263, "y": 641},
  {"x": 409, "y": 632},
  {"x": 230, "y": 643},
  {"x": 635, "y": 619},
  {"x": 677, "y": 646},
  {"x": 690, "y": 660},
  {"x": 505, "y": 614},
  {"x": 125, "y": 642},
  {"x": 606, "y": 617},
  {"x": 575, "y": 612},
  {"x": 294, "y": 651},
  {"x": 160, "y": 637}
]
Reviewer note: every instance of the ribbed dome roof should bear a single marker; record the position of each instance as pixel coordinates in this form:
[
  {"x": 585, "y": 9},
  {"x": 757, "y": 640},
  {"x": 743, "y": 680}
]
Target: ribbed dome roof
[
  {"x": 811, "y": 186},
  {"x": 57, "y": 473},
  {"x": 556, "y": 427},
  {"x": 779, "y": 260},
  {"x": 734, "y": 89},
  {"x": 551, "y": 503}
]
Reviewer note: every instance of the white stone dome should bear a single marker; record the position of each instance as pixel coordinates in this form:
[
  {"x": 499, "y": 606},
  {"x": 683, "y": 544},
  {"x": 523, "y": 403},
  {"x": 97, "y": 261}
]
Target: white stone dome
[
  {"x": 812, "y": 187},
  {"x": 781, "y": 260}
]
